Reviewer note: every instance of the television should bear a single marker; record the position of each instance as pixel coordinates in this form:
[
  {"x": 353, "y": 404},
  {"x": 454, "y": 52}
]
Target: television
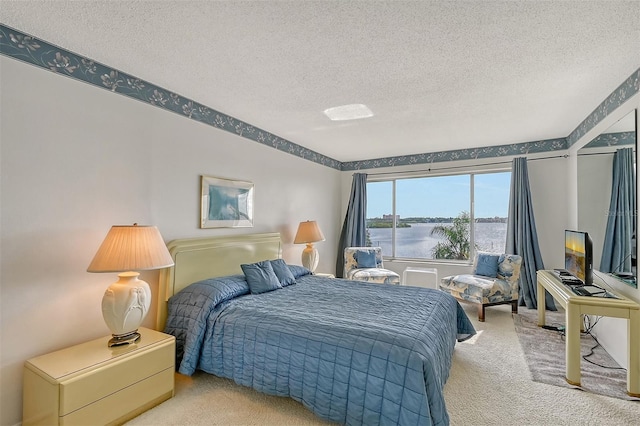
[{"x": 578, "y": 255}]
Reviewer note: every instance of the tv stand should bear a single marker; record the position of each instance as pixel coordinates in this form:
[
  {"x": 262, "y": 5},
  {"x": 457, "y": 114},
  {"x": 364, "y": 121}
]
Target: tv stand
[{"x": 575, "y": 306}]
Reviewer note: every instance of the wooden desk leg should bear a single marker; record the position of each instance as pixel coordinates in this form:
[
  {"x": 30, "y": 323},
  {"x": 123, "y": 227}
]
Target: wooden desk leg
[
  {"x": 541, "y": 305},
  {"x": 572, "y": 356},
  {"x": 633, "y": 354}
]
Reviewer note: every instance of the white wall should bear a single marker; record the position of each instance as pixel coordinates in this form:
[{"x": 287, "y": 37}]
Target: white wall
[{"x": 76, "y": 160}]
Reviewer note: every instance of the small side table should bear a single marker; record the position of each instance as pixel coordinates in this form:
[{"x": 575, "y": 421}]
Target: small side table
[
  {"x": 324, "y": 275},
  {"x": 415, "y": 269},
  {"x": 91, "y": 383}
]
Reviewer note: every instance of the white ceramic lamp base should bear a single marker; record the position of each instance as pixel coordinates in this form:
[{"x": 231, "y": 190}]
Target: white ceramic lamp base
[
  {"x": 310, "y": 257},
  {"x": 124, "y": 306}
]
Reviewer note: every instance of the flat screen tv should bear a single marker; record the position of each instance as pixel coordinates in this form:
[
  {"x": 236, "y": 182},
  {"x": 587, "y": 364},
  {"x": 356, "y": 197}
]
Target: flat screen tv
[{"x": 578, "y": 255}]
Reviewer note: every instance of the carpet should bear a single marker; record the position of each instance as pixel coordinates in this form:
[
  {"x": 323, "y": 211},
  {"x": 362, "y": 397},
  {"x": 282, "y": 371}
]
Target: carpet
[{"x": 544, "y": 352}]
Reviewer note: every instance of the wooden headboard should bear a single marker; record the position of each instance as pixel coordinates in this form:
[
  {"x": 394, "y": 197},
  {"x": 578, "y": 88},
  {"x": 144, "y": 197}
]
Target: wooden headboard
[{"x": 201, "y": 258}]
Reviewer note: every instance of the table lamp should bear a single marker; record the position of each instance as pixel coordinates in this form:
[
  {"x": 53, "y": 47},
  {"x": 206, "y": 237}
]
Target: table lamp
[
  {"x": 308, "y": 233},
  {"x": 126, "y": 302}
]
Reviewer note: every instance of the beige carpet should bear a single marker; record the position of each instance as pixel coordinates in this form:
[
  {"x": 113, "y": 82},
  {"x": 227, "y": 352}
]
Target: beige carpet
[{"x": 489, "y": 384}]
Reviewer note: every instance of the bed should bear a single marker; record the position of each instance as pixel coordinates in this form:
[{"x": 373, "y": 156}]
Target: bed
[{"x": 352, "y": 352}]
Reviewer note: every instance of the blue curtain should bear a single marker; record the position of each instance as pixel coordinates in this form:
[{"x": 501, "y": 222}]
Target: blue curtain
[
  {"x": 618, "y": 249},
  {"x": 522, "y": 237},
  {"x": 354, "y": 229}
]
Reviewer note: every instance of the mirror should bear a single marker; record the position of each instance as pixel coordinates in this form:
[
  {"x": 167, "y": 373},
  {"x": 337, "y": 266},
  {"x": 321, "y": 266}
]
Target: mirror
[{"x": 595, "y": 165}]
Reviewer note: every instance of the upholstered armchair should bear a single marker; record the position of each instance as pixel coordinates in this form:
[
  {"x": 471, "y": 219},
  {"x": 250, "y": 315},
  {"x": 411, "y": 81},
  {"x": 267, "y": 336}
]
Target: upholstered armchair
[
  {"x": 495, "y": 281},
  {"x": 365, "y": 264}
]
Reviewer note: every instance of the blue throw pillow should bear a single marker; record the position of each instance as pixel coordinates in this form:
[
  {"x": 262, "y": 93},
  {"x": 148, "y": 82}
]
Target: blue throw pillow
[
  {"x": 487, "y": 265},
  {"x": 366, "y": 259},
  {"x": 298, "y": 271},
  {"x": 260, "y": 277},
  {"x": 283, "y": 272}
]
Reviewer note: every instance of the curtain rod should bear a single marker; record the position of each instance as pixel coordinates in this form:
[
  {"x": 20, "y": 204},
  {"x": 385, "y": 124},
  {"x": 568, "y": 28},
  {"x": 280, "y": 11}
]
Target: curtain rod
[
  {"x": 464, "y": 167},
  {"x": 606, "y": 153},
  {"x": 596, "y": 153}
]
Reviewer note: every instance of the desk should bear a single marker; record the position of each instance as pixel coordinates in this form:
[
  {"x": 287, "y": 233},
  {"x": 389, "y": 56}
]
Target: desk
[{"x": 575, "y": 306}]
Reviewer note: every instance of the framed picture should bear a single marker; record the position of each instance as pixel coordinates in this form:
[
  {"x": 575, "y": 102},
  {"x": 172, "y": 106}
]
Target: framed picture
[{"x": 226, "y": 203}]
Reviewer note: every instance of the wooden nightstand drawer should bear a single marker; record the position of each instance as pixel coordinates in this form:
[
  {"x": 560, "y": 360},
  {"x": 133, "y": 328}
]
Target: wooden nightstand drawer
[
  {"x": 84, "y": 389},
  {"x": 132, "y": 400}
]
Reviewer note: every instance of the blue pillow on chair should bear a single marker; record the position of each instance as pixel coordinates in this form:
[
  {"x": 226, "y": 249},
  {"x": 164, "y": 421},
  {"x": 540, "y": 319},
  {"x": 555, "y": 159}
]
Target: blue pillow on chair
[
  {"x": 487, "y": 265},
  {"x": 260, "y": 277},
  {"x": 366, "y": 259}
]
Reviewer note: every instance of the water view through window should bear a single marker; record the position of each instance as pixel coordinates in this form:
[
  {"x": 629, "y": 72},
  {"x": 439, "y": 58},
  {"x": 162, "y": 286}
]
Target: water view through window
[
  {"x": 443, "y": 217},
  {"x": 418, "y": 243}
]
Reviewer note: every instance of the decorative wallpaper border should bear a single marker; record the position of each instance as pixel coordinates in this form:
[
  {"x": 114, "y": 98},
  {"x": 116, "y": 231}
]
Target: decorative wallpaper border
[
  {"x": 612, "y": 139},
  {"x": 626, "y": 90},
  {"x": 461, "y": 154},
  {"x": 23, "y": 47}
]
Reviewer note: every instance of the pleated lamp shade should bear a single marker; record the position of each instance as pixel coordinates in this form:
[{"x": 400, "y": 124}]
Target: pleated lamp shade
[
  {"x": 308, "y": 232},
  {"x": 131, "y": 248}
]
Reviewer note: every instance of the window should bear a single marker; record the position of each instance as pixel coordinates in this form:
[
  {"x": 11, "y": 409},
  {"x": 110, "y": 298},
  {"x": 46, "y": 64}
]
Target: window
[{"x": 439, "y": 217}]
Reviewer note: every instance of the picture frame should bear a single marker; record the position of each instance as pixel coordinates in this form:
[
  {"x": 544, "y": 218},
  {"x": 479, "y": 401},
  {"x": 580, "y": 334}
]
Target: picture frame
[{"x": 225, "y": 203}]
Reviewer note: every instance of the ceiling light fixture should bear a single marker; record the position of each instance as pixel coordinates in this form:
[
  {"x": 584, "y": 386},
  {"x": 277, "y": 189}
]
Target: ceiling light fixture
[{"x": 348, "y": 112}]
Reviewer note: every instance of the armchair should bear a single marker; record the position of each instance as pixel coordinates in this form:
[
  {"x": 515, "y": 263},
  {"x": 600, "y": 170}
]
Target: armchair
[
  {"x": 494, "y": 281},
  {"x": 365, "y": 264}
]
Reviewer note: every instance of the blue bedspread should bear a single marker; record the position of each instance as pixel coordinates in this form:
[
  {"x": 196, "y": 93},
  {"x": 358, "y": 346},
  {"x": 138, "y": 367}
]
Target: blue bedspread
[{"x": 350, "y": 351}]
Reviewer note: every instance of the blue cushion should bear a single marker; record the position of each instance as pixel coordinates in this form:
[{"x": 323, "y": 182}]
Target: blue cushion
[
  {"x": 298, "y": 271},
  {"x": 283, "y": 272},
  {"x": 366, "y": 259},
  {"x": 487, "y": 265},
  {"x": 260, "y": 277}
]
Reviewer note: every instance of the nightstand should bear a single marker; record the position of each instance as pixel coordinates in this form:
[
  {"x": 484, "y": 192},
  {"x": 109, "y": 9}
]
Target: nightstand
[{"x": 93, "y": 384}]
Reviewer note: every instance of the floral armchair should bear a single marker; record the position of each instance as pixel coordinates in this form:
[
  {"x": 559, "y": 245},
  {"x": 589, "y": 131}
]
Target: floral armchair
[
  {"x": 365, "y": 264},
  {"x": 495, "y": 281}
]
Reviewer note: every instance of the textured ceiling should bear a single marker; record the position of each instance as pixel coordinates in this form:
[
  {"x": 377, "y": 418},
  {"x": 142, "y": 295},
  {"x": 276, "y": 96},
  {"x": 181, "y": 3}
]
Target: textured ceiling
[{"x": 437, "y": 75}]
